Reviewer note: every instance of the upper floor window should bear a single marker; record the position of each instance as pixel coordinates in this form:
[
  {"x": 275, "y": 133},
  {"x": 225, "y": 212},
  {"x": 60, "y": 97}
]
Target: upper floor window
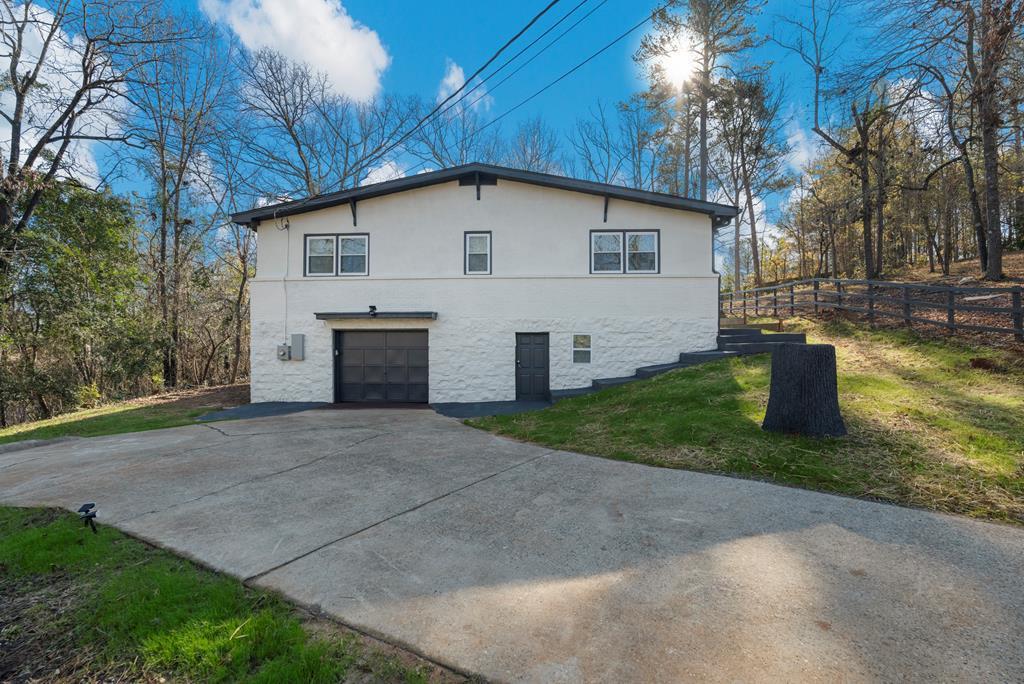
[
  {"x": 624, "y": 251},
  {"x": 478, "y": 253},
  {"x": 334, "y": 255},
  {"x": 320, "y": 253}
]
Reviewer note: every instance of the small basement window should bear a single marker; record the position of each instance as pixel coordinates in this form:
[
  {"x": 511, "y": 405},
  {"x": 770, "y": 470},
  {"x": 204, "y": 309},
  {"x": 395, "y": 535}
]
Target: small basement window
[
  {"x": 320, "y": 255},
  {"x": 581, "y": 348},
  {"x": 354, "y": 254},
  {"x": 478, "y": 253},
  {"x": 606, "y": 252}
]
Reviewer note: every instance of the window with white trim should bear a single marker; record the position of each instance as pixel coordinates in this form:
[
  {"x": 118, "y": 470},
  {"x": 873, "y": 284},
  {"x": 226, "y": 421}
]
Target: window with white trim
[
  {"x": 606, "y": 252},
  {"x": 353, "y": 254},
  {"x": 581, "y": 348},
  {"x": 478, "y": 253},
  {"x": 345, "y": 254},
  {"x": 320, "y": 252},
  {"x": 642, "y": 252},
  {"x": 624, "y": 251}
]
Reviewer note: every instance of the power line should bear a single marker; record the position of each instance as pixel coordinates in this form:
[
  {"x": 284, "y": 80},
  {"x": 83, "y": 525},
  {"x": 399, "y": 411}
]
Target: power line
[
  {"x": 570, "y": 71},
  {"x": 539, "y": 52},
  {"x": 378, "y": 153},
  {"x": 511, "y": 59}
]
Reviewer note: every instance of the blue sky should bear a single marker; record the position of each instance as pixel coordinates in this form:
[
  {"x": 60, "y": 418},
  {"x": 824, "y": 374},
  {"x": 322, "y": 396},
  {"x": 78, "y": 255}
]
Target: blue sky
[{"x": 407, "y": 47}]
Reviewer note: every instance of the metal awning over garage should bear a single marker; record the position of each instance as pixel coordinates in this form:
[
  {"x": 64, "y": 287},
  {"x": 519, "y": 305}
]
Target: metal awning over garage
[{"x": 373, "y": 313}]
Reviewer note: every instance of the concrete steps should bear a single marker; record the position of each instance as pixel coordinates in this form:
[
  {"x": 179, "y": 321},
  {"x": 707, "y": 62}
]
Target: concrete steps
[{"x": 733, "y": 341}]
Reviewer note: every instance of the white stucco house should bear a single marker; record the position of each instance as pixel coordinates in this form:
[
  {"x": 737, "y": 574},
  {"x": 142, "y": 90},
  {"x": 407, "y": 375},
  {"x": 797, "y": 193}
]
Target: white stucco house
[{"x": 476, "y": 283}]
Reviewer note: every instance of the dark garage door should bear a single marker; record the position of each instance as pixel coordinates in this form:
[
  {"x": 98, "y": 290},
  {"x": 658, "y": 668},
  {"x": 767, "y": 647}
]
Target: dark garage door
[{"x": 380, "y": 365}]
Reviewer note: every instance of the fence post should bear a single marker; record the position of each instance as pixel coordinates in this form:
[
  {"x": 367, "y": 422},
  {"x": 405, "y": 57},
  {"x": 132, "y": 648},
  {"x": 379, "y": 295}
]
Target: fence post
[
  {"x": 775, "y": 303},
  {"x": 871, "y": 304},
  {"x": 757, "y": 302},
  {"x": 906, "y": 305},
  {"x": 792, "y": 302},
  {"x": 732, "y": 300},
  {"x": 1018, "y": 314},
  {"x": 839, "y": 295},
  {"x": 816, "y": 285},
  {"x": 951, "y": 310}
]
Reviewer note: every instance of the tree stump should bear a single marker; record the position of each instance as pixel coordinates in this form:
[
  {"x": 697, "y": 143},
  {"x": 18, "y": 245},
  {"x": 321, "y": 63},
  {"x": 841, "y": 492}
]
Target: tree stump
[{"x": 804, "y": 397}]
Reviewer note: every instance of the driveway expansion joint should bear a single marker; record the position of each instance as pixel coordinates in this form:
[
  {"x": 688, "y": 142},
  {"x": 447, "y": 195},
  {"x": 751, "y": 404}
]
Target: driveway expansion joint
[
  {"x": 249, "y": 481},
  {"x": 395, "y": 515}
]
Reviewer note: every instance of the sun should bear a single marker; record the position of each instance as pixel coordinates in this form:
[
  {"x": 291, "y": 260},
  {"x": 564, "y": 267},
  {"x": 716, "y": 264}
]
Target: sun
[{"x": 679, "y": 66}]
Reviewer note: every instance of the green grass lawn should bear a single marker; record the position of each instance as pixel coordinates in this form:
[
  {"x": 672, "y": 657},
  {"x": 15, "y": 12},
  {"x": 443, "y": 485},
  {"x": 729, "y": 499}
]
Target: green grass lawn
[
  {"x": 105, "y": 420},
  {"x": 931, "y": 423},
  {"x": 105, "y": 607}
]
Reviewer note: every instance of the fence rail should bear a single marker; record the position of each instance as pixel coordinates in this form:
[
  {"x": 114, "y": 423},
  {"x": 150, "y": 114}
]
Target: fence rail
[{"x": 980, "y": 309}]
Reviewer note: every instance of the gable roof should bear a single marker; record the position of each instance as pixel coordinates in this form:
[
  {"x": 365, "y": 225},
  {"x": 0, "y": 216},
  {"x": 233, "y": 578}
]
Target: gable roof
[{"x": 486, "y": 174}]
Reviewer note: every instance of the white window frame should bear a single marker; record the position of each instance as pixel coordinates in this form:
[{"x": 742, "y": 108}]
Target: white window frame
[
  {"x": 334, "y": 268},
  {"x": 465, "y": 251},
  {"x": 593, "y": 252},
  {"x": 589, "y": 348},
  {"x": 657, "y": 251},
  {"x": 365, "y": 237}
]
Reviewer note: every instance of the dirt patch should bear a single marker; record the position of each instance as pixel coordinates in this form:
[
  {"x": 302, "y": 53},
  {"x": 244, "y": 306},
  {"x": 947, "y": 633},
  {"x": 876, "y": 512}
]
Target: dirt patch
[{"x": 225, "y": 396}]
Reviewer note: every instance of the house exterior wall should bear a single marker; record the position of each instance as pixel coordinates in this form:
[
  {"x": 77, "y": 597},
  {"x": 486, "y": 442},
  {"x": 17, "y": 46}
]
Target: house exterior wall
[{"x": 540, "y": 282}]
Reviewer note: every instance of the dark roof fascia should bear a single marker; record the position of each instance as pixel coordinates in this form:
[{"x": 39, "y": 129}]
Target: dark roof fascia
[
  {"x": 720, "y": 213},
  {"x": 344, "y": 315}
]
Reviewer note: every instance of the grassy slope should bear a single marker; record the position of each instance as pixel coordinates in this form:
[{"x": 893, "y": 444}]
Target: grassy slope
[
  {"x": 149, "y": 413},
  {"x": 926, "y": 428},
  {"x": 136, "y": 612},
  {"x": 105, "y": 420}
]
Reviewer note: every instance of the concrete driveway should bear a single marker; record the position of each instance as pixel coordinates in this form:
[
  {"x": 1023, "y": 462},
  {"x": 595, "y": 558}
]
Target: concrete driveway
[{"x": 525, "y": 564}]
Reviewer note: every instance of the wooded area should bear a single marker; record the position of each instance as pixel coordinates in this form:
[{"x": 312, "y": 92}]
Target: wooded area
[{"x": 133, "y": 130}]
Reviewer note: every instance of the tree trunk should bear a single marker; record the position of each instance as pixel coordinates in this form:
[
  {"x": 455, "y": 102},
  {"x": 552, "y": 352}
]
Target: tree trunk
[
  {"x": 804, "y": 395},
  {"x": 988, "y": 113}
]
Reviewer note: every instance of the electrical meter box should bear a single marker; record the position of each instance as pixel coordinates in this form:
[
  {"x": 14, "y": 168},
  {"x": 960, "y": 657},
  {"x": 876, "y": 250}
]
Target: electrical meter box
[
  {"x": 298, "y": 347},
  {"x": 283, "y": 352}
]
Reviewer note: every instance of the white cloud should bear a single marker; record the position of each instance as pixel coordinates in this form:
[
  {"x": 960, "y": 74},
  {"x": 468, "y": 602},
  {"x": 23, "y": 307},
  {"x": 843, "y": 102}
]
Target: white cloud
[
  {"x": 453, "y": 79},
  {"x": 803, "y": 148},
  {"x": 389, "y": 170},
  {"x": 318, "y": 32}
]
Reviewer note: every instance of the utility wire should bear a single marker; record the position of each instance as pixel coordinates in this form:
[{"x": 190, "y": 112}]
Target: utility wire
[
  {"x": 538, "y": 53},
  {"x": 511, "y": 59},
  {"x": 570, "y": 71},
  {"x": 378, "y": 153}
]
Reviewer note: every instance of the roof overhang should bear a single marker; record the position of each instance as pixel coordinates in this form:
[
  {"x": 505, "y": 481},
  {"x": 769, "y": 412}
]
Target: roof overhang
[
  {"x": 346, "y": 315},
  {"x": 486, "y": 174}
]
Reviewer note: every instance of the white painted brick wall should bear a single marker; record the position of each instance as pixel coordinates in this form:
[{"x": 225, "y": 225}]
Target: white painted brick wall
[{"x": 540, "y": 283}]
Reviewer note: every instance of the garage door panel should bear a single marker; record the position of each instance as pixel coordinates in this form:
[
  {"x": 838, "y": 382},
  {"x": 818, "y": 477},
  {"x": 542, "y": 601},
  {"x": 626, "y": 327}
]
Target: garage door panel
[
  {"x": 374, "y": 357},
  {"x": 373, "y": 391},
  {"x": 374, "y": 374},
  {"x": 363, "y": 339},
  {"x": 383, "y": 366},
  {"x": 352, "y": 374},
  {"x": 404, "y": 339},
  {"x": 417, "y": 392},
  {"x": 352, "y": 357}
]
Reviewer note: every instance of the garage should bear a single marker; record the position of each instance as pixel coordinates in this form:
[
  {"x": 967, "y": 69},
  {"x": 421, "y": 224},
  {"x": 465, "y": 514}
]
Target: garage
[{"x": 380, "y": 366}]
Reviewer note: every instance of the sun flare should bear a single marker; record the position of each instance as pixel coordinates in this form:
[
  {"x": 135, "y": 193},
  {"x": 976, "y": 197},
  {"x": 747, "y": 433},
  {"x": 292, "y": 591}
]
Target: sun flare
[{"x": 679, "y": 66}]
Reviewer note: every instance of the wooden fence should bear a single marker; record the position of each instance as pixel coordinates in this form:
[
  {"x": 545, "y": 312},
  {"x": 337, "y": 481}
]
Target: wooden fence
[{"x": 980, "y": 309}]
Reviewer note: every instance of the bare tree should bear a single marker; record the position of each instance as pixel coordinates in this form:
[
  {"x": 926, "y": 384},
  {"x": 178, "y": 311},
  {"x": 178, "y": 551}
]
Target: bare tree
[
  {"x": 533, "y": 147},
  {"x": 593, "y": 139},
  {"x": 306, "y": 138},
  {"x": 713, "y": 30},
  {"x": 177, "y": 102},
  {"x": 67, "y": 65},
  {"x": 457, "y": 135}
]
